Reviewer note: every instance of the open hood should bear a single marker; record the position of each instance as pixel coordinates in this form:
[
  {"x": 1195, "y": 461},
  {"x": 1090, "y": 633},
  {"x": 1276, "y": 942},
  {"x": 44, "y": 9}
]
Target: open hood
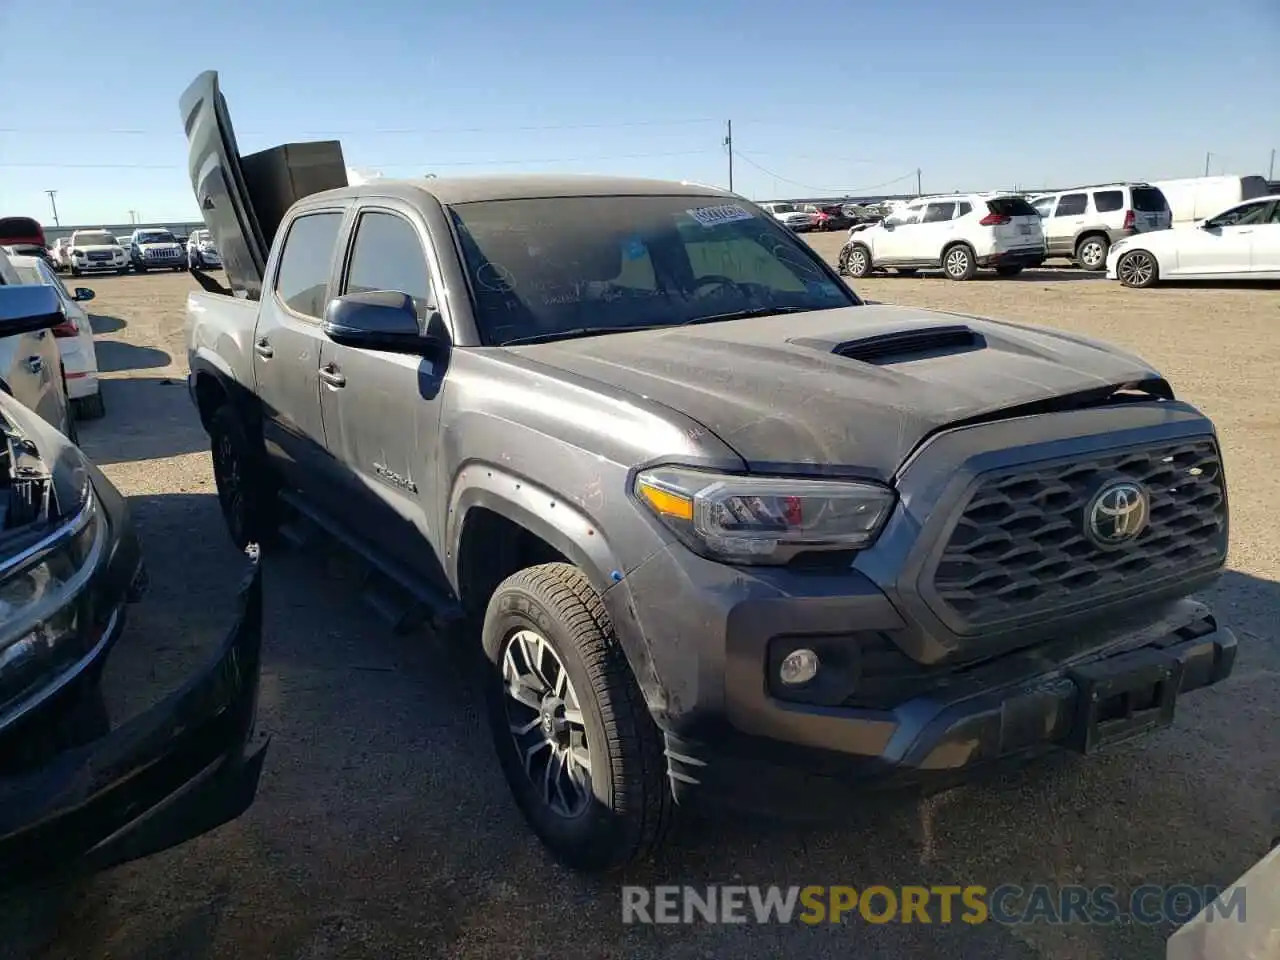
[{"x": 243, "y": 199}]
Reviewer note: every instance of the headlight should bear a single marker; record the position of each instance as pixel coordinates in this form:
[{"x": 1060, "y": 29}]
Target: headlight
[
  {"x": 40, "y": 606},
  {"x": 763, "y": 520}
]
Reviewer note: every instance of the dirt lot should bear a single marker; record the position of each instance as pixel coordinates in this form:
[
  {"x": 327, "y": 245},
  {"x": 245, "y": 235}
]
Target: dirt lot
[{"x": 383, "y": 828}]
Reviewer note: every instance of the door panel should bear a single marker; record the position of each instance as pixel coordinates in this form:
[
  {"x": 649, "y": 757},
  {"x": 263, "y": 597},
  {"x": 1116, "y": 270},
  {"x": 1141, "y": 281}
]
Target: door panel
[
  {"x": 381, "y": 410},
  {"x": 33, "y": 374},
  {"x": 1264, "y": 252},
  {"x": 1069, "y": 216},
  {"x": 286, "y": 358}
]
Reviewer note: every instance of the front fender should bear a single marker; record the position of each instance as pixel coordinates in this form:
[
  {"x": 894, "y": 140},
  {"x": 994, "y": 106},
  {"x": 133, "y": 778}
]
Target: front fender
[{"x": 537, "y": 509}]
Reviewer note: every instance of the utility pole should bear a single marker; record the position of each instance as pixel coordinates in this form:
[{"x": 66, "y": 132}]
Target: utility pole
[
  {"x": 919, "y": 190},
  {"x": 54, "y": 203},
  {"x": 1206, "y": 163},
  {"x": 133, "y": 217},
  {"x": 1271, "y": 171},
  {"x": 728, "y": 142}
]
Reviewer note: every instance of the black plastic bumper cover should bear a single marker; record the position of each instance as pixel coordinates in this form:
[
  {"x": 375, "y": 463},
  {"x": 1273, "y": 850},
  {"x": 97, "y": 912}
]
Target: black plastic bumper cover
[
  {"x": 172, "y": 773},
  {"x": 1078, "y": 707}
]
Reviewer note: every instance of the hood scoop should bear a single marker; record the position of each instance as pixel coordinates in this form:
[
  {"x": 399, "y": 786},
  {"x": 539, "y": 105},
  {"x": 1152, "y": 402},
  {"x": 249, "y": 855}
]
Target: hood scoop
[{"x": 917, "y": 344}]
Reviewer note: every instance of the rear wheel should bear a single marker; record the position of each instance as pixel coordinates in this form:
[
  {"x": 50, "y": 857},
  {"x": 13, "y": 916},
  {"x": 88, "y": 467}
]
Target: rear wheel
[
  {"x": 1008, "y": 270},
  {"x": 1138, "y": 269},
  {"x": 246, "y": 491},
  {"x": 1091, "y": 252},
  {"x": 577, "y": 745},
  {"x": 958, "y": 262}
]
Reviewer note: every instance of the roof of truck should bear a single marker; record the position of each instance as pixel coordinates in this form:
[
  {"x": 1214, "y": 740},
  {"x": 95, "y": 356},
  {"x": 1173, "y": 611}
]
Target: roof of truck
[{"x": 450, "y": 190}]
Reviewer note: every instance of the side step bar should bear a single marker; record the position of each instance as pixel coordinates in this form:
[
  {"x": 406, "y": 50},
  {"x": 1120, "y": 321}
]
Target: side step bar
[{"x": 402, "y": 598}]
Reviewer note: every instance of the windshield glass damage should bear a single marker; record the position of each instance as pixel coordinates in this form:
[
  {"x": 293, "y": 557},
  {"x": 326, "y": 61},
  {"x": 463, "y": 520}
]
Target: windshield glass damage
[{"x": 572, "y": 266}]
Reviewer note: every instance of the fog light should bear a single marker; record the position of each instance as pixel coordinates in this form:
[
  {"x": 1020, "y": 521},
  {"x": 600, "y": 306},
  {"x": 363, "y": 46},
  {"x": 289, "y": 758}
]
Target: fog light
[{"x": 799, "y": 666}]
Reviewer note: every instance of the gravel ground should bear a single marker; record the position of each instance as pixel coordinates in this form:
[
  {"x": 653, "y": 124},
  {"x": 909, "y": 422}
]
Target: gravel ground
[{"x": 383, "y": 829}]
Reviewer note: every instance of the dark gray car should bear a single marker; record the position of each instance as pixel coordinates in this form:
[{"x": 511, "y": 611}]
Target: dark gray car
[{"x": 721, "y": 530}]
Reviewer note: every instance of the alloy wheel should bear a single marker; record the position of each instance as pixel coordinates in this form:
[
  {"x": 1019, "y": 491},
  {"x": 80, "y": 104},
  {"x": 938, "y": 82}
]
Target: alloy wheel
[
  {"x": 230, "y": 483},
  {"x": 544, "y": 716},
  {"x": 958, "y": 262},
  {"x": 1136, "y": 269},
  {"x": 1091, "y": 253}
]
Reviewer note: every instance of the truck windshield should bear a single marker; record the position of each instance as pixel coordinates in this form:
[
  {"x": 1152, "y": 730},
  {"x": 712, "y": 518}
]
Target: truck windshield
[
  {"x": 94, "y": 240},
  {"x": 572, "y": 266},
  {"x": 156, "y": 236}
]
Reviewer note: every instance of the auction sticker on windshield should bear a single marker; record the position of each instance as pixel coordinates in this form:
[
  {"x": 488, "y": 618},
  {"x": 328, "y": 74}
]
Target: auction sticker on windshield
[{"x": 714, "y": 216}]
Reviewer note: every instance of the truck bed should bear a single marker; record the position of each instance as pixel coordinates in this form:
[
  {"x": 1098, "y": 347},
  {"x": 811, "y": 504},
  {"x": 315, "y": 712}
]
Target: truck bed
[{"x": 219, "y": 333}]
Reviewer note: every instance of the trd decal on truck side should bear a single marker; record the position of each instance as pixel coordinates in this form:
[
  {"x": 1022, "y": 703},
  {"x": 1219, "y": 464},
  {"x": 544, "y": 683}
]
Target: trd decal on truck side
[{"x": 392, "y": 477}]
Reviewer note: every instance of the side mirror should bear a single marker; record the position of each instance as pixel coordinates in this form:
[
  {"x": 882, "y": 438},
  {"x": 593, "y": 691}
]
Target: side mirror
[
  {"x": 1209, "y": 225},
  {"x": 378, "y": 320},
  {"x": 83, "y": 295},
  {"x": 27, "y": 308}
]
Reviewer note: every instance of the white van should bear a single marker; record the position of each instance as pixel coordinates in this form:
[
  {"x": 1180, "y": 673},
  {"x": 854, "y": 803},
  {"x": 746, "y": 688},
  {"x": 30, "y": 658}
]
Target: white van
[{"x": 1196, "y": 198}]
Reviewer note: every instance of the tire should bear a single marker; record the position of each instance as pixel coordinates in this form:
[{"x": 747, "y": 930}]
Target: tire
[
  {"x": 855, "y": 259},
  {"x": 1091, "y": 252},
  {"x": 246, "y": 491},
  {"x": 624, "y": 811},
  {"x": 1008, "y": 270},
  {"x": 122, "y": 271},
  {"x": 75, "y": 272},
  {"x": 1137, "y": 269},
  {"x": 140, "y": 268},
  {"x": 89, "y": 408},
  {"x": 958, "y": 262}
]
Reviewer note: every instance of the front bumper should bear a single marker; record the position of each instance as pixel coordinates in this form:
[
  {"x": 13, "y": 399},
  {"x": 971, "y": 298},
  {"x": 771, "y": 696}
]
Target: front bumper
[
  {"x": 100, "y": 266},
  {"x": 82, "y": 789},
  {"x": 908, "y": 686},
  {"x": 1103, "y": 697}
]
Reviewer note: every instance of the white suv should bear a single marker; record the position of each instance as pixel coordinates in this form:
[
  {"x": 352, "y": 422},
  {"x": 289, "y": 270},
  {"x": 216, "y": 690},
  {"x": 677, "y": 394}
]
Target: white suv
[
  {"x": 1082, "y": 223},
  {"x": 958, "y": 233},
  {"x": 791, "y": 216}
]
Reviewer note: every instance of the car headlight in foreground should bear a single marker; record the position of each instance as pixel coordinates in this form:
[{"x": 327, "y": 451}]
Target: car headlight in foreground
[
  {"x": 42, "y": 637},
  {"x": 763, "y": 520}
]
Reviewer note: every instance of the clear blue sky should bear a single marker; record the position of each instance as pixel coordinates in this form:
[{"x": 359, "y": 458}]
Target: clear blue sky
[{"x": 825, "y": 96}]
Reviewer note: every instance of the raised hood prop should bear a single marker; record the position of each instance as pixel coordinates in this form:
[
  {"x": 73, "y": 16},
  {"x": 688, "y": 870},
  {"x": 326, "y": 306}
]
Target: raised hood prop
[{"x": 244, "y": 198}]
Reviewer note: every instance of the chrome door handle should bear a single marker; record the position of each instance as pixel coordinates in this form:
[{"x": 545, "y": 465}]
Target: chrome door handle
[
  {"x": 330, "y": 375},
  {"x": 35, "y": 364},
  {"x": 264, "y": 348}
]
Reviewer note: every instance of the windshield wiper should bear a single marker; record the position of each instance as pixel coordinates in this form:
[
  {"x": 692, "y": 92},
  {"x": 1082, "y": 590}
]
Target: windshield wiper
[
  {"x": 551, "y": 335},
  {"x": 745, "y": 314}
]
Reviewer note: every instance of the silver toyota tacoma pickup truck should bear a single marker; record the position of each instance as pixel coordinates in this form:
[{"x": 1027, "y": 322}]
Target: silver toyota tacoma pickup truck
[{"x": 721, "y": 529}]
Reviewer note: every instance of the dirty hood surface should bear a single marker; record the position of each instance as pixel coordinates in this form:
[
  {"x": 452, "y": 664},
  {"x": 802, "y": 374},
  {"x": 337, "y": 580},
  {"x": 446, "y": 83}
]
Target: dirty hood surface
[{"x": 774, "y": 390}]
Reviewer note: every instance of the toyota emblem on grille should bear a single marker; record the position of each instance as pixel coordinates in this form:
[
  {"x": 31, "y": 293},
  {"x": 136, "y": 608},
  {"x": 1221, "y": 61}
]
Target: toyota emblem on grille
[{"x": 1117, "y": 514}]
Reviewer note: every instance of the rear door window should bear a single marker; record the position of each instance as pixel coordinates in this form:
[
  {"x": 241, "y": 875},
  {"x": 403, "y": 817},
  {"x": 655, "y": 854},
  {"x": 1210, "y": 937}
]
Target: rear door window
[
  {"x": 939, "y": 212},
  {"x": 1072, "y": 205},
  {"x": 387, "y": 255},
  {"x": 302, "y": 278},
  {"x": 1149, "y": 200},
  {"x": 1107, "y": 201},
  {"x": 966, "y": 208}
]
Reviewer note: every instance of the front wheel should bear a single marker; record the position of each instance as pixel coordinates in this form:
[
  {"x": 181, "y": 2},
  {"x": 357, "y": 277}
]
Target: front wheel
[
  {"x": 958, "y": 262},
  {"x": 855, "y": 260},
  {"x": 574, "y": 737},
  {"x": 1137, "y": 269}
]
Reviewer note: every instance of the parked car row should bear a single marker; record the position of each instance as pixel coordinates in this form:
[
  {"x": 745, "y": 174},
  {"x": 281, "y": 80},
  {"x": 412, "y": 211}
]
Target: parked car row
[{"x": 97, "y": 251}]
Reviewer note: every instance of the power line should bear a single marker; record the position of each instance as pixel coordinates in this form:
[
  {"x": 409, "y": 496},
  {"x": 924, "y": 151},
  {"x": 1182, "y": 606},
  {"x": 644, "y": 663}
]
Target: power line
[
  {"x": 380, "y": 131},
  {"x": 831, "y": 190},
  {"x": 415, "y": 164}
]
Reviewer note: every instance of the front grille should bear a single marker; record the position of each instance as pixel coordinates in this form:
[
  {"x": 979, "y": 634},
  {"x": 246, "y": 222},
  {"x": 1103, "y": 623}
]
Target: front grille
[
  {"x": 99, "y": 256},
  {"x": 1020, "y": 548}
]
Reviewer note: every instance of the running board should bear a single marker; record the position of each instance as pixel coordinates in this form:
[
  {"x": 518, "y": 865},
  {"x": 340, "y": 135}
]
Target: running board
[{"x": 406, "y": 600}]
